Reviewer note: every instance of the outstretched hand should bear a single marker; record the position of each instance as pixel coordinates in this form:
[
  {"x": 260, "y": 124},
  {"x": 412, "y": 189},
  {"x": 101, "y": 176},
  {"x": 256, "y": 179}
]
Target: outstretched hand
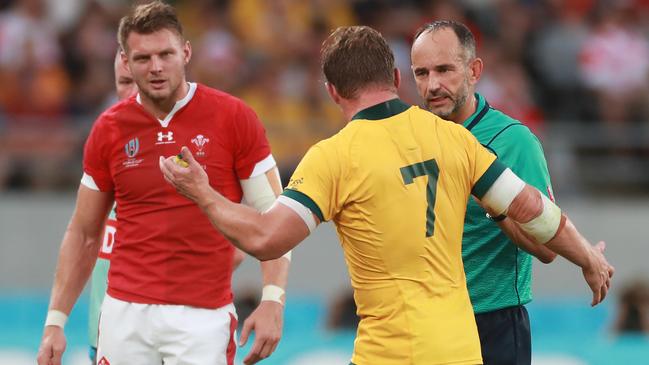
[
  {"x": 191, "y": 181},
  {"x": 599, "y": 273},
  {"x": 267, "y": 322}
]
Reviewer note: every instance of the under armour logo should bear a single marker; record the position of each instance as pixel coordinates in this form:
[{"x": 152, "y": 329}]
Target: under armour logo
[{"x": 169, "y": 136}]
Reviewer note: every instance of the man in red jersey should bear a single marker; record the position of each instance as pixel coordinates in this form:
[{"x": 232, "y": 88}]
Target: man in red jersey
[{"x": 169, "y": 299}]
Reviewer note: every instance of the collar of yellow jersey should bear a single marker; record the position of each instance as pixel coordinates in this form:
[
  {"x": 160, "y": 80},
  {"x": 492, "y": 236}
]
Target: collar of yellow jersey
[{"x": 382, "y": 110}]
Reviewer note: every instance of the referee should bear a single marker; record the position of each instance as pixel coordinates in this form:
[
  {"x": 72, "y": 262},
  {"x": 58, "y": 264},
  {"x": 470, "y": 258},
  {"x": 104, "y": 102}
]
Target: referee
[{"x": 497, "y": 261}]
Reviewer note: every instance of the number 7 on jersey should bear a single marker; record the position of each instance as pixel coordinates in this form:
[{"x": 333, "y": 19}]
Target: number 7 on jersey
[{"x": 410, "y": 173}]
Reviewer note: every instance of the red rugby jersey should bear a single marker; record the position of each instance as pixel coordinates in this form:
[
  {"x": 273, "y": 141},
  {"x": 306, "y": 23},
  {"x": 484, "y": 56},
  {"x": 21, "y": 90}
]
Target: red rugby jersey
[{"x": 166, "y": 251}]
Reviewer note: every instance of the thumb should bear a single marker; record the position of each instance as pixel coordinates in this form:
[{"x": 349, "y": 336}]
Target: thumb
[
  {"x": 601, "y": 246},
  {"x": 245, "y": 332},
  {"x": 187, "y": 155}
]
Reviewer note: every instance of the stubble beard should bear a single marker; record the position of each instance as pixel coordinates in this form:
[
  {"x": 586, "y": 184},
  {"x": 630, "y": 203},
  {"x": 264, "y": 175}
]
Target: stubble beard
[{"x": 458, "y": 102}]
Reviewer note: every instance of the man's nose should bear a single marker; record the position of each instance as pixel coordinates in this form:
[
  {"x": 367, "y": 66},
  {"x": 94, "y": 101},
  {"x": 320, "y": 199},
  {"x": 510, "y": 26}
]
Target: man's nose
[
  {"x": 156, "y": 64},
  {"x": 433, "y": 83}
]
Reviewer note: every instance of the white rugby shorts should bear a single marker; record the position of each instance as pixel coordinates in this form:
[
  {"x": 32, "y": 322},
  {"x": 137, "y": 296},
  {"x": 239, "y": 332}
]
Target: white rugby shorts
[{"x": 134, "y": 333}]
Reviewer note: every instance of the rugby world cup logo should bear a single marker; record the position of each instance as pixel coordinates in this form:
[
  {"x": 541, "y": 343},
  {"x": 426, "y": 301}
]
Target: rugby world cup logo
[
  {"x": 132, "y": 147},
  {"x": 200, "y": 141}
]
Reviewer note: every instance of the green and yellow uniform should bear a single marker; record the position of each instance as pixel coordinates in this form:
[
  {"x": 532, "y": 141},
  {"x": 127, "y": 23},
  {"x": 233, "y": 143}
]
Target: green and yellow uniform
[{"x": 396, "y": 181}]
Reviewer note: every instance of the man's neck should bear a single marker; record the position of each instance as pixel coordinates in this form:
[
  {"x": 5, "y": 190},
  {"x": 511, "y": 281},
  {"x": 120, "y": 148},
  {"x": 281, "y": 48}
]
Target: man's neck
[
  {"x": 467, "y": 110},
  {"x": 365, "y": 100},
  {"x": 160, "y": 109}
]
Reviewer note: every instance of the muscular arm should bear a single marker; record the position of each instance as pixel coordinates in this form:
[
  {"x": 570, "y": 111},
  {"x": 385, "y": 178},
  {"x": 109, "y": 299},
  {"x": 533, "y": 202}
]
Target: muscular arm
[
  {"x": 77, "y": 257},
  {"x": 525, "y": 205},
  {"x": 516, "y": 235},
  {"x": 79, "y": 247},
  {"x": 266, "y": 236}
]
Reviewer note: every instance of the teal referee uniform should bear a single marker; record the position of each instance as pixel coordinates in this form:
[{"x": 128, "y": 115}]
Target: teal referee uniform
[{"x": 498, "y": 273}]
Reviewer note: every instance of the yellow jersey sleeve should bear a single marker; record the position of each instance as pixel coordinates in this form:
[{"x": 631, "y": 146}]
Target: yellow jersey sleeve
[{"x": 316, "y": 180}]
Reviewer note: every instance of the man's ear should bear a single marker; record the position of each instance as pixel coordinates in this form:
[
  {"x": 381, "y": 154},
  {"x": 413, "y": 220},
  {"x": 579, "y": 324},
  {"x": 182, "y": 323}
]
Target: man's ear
[
  {"x": 397, "y": 78},
  {"x": 333, "y": 93},
  {"x": 187, "y": 52},
  {"x": 475, "y": 70}
]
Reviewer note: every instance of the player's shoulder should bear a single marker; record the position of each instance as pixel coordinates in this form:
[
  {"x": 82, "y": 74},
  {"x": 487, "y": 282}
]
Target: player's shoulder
[
  {"x": 508, "y": 130},
  {"x": 122, "y": 109}
]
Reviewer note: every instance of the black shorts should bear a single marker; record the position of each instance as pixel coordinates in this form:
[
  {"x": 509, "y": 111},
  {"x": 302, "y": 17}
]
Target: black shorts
[{"x": 505, "y": 336}]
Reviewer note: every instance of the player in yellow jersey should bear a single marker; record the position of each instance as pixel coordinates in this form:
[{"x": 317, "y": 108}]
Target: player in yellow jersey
[{"x": 395, "y": 181}]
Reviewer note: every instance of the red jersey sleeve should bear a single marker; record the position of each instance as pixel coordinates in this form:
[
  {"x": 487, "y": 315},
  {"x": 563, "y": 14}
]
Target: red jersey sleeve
[
  {"x": 251, "y": 145},
  {"x": 96, "y": 157}
]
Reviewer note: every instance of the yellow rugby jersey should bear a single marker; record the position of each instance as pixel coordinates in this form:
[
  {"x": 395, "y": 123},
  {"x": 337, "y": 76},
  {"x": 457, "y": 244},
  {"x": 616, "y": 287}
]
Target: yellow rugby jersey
[{"x": 396, "y": 181}]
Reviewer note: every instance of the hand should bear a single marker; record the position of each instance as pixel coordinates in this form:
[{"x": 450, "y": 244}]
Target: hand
[
  {"x": 52, "y": 346},
  {"x": 267, "y": 322},
  {"x": 599, "y": 273},
  {"x": 191, "y": 181}
]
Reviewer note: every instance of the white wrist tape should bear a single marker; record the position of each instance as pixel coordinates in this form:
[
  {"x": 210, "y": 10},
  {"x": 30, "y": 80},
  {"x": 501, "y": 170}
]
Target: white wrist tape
[
  {"x": 503, "y": 191},
  {"x": 288, "y": 255},
  {"x": 56, "y": 318},
  {"x": 545, "y": 226},
  {"x": 304, "y": 212},
  {"x": 272, "y": 293}
]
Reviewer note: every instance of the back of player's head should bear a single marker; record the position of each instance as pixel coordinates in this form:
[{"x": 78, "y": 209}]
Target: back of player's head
[
  {"x": 357, "y": 57},
  {"x": 148, "y": 18},
  {"x": 463, "y": 33}
]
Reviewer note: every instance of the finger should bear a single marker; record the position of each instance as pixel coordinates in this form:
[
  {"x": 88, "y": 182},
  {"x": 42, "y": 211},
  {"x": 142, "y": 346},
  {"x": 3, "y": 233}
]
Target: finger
[
  {"x": 56, "y": 359},
  {"x": 164, "y": 168},
  {"x": 167, "y": 171},
  {"x": 266, "y": 350},
  {"x": 44, "y": 357},
  {"x": 601, "y": 246},
  {"x": 251, "y": 359},
  {"x": 254, "y": 354},
  {"x": 604, "y": 291},
  {"x": 245, "y": 332},
  {"x": 187, "y": 155},
  {"x": 596, "y": 296}
]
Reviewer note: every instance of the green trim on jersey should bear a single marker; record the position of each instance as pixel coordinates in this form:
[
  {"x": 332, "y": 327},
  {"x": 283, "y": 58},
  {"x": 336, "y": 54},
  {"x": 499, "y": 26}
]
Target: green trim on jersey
[
  {"x": 382, "y": 110},
  {"x": 304, "y": 200},
  {"x": 488, "y": 178},
  {"x": 498, "y": 273}
]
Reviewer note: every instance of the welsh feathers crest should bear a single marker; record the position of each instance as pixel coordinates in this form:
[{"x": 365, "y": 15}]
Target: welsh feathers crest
[{"x": 200, "y": 141}]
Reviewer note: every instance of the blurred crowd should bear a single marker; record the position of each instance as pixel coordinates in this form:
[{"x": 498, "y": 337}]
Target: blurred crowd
[{"x": 545, "y": 61}]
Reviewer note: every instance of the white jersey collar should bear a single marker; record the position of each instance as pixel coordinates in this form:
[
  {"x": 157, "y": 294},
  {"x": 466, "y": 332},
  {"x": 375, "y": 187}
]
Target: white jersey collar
[{"x": 179, "y": 104}]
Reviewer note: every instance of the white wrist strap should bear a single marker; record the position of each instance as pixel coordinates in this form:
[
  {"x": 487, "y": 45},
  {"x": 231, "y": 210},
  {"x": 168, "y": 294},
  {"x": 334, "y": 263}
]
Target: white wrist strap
[
  {"x": 56, "y": 318},
  {"x": 272, "y": 293}
]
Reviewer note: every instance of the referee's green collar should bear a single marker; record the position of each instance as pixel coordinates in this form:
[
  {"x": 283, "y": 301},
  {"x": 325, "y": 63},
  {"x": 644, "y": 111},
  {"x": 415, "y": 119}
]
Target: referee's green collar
[
  {"x": 382, "y": 110},
  {"x": 480, "y": 104}
]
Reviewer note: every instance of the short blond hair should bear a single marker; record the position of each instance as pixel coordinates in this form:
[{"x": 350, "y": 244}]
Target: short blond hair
[{"x": 146, "y": 19}]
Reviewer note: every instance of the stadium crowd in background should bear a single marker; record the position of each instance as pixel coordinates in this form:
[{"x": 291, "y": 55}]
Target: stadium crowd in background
[{"x": 548, "y": 61}]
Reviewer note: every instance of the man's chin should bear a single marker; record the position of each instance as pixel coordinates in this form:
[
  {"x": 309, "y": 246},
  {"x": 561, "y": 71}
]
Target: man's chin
[
  {"x": 444, "y": 114},
  {"x": 157, "y": 95}
]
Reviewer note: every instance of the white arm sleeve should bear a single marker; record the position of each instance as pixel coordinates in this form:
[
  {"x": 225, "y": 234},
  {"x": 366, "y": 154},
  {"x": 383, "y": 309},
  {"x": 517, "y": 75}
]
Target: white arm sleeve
[
  {"x": 503, "y": 191},
  {"x": 89, "y": 182},
  {"x": 259, "y": 194},
  {"x": 304, "y": 212}
]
